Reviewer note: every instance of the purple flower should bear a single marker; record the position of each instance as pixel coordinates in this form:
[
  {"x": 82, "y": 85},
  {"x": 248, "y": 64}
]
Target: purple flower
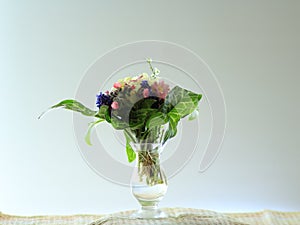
[
  {"x": 103, "y": 99},
  {"x": 144, "y": 84}
]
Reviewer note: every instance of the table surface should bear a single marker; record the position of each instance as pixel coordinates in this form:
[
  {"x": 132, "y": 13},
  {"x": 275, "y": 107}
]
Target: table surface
[{"x": 266, "y": 217}]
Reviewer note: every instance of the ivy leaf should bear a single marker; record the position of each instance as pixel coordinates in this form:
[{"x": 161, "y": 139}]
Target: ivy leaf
[
  {"x": 182, "y": 101},
  {"x": 156, "y": 119},
  {"x": 131, "y": 155},
  {"x": 132, "y": 116},
  {"x": 139, "y": 117},
  {"x": 140, "y": 111},
  {"x": 73, "y": 105},
  {"x": 88, "y": 134},
  {"x": 178, "y": 104},
  {"x": 172, "y": 130}
]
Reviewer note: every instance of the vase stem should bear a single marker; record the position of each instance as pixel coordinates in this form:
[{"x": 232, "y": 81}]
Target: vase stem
[{"x": 149, "y": 212}]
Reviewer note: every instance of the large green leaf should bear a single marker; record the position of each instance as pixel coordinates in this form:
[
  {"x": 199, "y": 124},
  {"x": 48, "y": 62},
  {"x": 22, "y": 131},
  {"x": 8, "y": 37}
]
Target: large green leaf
[
  {"x": 172, "y": 129},
  {"x": 156, "y": 119},
  {"x": 178, "y": 104},
  {"x": 76, "y": 106},
  {"x": 138, "y": 118},
  {"x": 182, "y": 101},
  {"x": 139, "y": 113}
]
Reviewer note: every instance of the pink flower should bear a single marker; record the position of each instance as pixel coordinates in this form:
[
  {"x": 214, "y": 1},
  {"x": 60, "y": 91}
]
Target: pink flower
[
  {"x": 117, "y": 85},
  {"x": 161, "y": 89},
  {"x": 115, "y": 105},
  {"x": 146, "y": 93}
]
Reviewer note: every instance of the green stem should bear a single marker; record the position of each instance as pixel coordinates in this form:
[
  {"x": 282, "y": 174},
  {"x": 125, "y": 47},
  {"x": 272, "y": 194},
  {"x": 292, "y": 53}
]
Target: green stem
[
  {"x": 128, "y": 132},
  {"x": 151, "y": 67}
]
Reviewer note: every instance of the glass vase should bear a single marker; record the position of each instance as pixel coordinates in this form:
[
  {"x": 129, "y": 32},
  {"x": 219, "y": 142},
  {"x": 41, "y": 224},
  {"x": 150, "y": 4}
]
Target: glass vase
[{"x": 148, "y": 182}]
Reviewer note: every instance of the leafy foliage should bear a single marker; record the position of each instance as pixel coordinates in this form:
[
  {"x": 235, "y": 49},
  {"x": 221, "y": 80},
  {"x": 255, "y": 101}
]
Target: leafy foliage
[{"x": 142, "y": 120}]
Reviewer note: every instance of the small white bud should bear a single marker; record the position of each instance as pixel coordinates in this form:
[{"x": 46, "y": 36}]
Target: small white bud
[{"x": 149, "y": 60}]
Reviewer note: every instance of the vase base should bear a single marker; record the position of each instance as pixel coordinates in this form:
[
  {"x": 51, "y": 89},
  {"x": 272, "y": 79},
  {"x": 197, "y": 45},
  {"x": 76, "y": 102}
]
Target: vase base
[{"x": 148, "y": 213}]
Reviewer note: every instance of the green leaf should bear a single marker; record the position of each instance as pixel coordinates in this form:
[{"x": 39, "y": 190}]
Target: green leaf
[
  {"x": 156, "y": 119},
  {"x": 108, "y": 116},
  {"x": 178, "y": 104},
  {"x": 133, "y": 116},
  {"x": 76, "y": 106},
  {"x": 144, "y": 103},
  {"x": 118, "y": 120},
  {"x": 182, "y": 101},
  {"x": 104, "y": 113},
  {"x": 118, "y": 123},
  {"x": 88, "y": 134},
  {"x": 140, "y": 111},
  {"x": 131, "y": 155},
  {"x": 172, "y": 130},
  {"x": 138, "y": 118}
]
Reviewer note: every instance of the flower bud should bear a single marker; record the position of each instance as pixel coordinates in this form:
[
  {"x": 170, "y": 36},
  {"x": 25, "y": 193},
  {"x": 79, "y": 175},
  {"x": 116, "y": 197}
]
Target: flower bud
[{"x": 115, "y": 105}]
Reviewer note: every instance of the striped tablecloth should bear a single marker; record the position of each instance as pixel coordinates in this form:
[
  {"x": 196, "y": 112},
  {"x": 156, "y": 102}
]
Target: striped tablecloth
[{"x": 179, "y": 216}]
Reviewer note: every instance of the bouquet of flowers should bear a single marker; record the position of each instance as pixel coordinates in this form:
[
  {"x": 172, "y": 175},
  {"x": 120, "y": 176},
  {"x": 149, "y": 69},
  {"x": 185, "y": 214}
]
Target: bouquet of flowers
[{"x": 144, "y": 107}]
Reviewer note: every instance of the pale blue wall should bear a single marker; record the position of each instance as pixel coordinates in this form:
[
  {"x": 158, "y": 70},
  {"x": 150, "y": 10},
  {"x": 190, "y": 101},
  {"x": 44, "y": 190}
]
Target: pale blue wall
[{"x": 253, "y": 48}]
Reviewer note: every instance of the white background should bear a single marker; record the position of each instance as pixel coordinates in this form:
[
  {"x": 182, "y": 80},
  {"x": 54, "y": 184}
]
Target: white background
[{"x": 253, "y": 48}]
